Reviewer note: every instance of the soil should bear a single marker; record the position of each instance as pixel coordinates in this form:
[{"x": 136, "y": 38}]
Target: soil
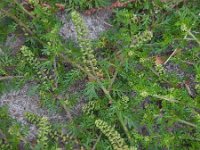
[
  {"x": 19, "y": 102},
  {"x": 14, "y": 42},
  {"x": 96, "y": 24}
]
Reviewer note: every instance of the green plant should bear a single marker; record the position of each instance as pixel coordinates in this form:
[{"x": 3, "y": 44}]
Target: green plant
[
  {"x": 139, "y": 80},
  {"x": 44, "y": 130},
  {"x": 12, "y": 134},
  {"x": 114, "y": 137},
  {"x": 85, "y": 4}
]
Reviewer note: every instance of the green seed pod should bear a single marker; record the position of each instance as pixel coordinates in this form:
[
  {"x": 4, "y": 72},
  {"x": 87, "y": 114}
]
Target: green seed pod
[
  {"x": 114, "y": 137},
  {"x": 90, "y": 107},
  {"x": 141, "y": 38},
  {"x": 32, "y": 118},
  {"x": 84, "y": 42},
  {"x": 5, "y": 146},
  {"x": 43, "y": 132}
]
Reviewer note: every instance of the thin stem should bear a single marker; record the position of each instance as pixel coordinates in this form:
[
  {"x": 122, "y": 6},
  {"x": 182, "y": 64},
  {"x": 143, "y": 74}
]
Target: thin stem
[
  {"x": 193, "y": 36},
  {"x": 22, "y": 25},
  {"x": 106, "y": 92},
  {"x": 23, "y": 9},
  {"x": 161, "y": 79},
  {"x": 55, "y": 72},
  {"x": 188, "y": 62},
  {"x": 9, "y": 77},
  {"x": 68, "y": 112},
  {"x": 124, "y": 127},
  {"x": 17, "y": 21},
  {"x": 187, "y": 123},
  {"x": 113, "y": 80},
  {"x": 164, "y": 98},
  {"x": 94, "y": 147},
  {"x": 104, "y": 22},
  {"x": 1, "y": 52},
  {"x": 172, "y": 54}
]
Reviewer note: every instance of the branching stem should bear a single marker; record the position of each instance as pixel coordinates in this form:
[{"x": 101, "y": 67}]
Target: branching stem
[
  {"x": 9, "y": 77},
  {"x": 23, "y": 9}
]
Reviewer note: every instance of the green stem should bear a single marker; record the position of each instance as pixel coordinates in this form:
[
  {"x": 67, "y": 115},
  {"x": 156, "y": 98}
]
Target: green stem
[
  {"x": 165, "y": 98},
  {"x": 9, "y": 77},
  {"x": 124, "y": 127},
  {"x": 106, "y": 92},
  {"x": 187, "y": 123},
  {"x": 193, "y": 36},
  {"x": 20, "y": 23},
  {"x": 17, "y": 21},
  {"x": 94, "y": 147},
  {"x": 23, "y": 9},
  {"x": 113, "y": 80},
  {"x": 55, "y": 72},
  {"x": 172, "y": 54}
]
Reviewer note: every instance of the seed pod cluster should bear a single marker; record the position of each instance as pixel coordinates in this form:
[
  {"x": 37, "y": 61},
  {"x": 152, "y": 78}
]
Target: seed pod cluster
[
  {"x": 114, "y": 137},
  {"x": 5, "y": 146},
  {"x": 90, "y": 107},
  {"x": 43, "y": 132},
  {"x": 125, "y": 100},
  {"x": 46, "y": 131},
  {"x": 59, "y": 136},
  {"x": 160, "y": 69},
  {"x": 141, "y": 38},
  {"x": 88, "y": 58},
  {"x": 29, "y": 57},
  {"x": 42, "y": 74},
  {"x": 32, "y": 118}
]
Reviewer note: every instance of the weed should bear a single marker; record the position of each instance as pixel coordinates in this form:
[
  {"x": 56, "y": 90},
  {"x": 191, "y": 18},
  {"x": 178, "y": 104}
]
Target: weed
[{"x": 135, "y": 99}]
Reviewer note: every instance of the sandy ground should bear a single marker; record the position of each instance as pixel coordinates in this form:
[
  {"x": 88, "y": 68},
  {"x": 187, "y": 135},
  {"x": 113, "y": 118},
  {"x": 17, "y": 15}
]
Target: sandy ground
[{"x": 96, "y": 24}]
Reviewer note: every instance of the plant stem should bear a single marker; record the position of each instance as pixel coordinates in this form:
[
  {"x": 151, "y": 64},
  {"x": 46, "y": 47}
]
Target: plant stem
[
  {"x": 113, "y": 80},
  {"x": 193, "y": 36},
  {"x": 172, "y": 54},
  {"x": 106, "y": 92},
  {"x": 23, "y": 9},
  {"x": 17, "y": 21},
  {"x": 165, "y": 98},
  {"x": 9, "y": 77},
  {"x": 187, "y": 123},
  {"x": 55, "y": 72},
  {"x": 124, "y": 127},
  {"x": 94, "y": 147},
  {"x": 20, "y": 23}
]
